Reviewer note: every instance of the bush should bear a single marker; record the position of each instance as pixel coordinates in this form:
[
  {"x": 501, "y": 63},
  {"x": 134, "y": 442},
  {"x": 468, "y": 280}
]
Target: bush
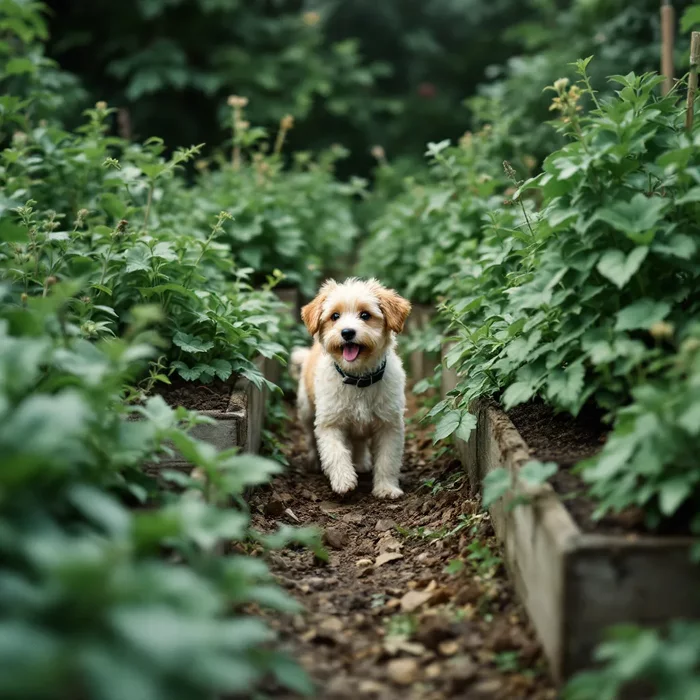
[
  {"x": 109, "y": 586},
  {"x": 594, "y": 298}
]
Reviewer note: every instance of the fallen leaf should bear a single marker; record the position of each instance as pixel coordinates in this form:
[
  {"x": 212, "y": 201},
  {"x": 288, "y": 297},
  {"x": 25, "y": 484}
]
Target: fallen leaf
[
  {"x": 388, "y": 544},
  {"x": 386, "y": 558},
  {"x": 413, "y": 600},
  {"x": 384, "y": 524},
  {"x": 292, "y": 515}
]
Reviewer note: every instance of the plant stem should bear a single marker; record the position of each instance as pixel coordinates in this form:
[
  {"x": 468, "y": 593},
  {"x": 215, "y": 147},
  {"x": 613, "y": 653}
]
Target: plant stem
[
  {"x": 148, "y": 204},
  {"x": 692, "y": 78}
]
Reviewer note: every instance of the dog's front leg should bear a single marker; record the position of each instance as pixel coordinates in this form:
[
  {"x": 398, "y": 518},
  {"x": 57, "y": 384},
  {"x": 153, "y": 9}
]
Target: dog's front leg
[
  {"x": 387, "y": 449},
  {"x": 336, "y": 459}
]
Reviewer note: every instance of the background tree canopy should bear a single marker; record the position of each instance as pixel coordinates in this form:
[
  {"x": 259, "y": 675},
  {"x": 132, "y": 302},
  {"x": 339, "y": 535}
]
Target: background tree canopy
[{"x": 394, "y": 73}]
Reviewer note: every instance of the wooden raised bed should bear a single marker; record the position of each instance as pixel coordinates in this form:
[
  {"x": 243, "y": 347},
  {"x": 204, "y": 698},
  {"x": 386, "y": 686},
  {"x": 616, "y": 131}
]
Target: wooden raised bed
[{"x": 573, "y": 584}]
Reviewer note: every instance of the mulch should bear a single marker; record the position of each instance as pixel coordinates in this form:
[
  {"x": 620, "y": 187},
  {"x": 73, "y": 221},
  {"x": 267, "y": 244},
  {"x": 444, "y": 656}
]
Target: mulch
[
  {"x": 561, "y": 438},
  {"x": 414, "y": 602},
  {"x": 196, "y": 396}
]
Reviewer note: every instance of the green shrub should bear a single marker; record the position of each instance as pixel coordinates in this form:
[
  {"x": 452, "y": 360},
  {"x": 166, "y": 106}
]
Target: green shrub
[
  {"x": 595, "y": 298},
  {"x": 667, "y": 666}
]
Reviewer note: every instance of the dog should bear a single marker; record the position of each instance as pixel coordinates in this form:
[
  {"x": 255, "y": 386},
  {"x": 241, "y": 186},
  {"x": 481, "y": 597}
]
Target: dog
[{"x": 351, "y": 398}]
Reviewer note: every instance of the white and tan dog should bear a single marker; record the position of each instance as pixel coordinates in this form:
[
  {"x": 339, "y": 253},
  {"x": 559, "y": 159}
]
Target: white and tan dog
[{"x": 351, "y": 389}]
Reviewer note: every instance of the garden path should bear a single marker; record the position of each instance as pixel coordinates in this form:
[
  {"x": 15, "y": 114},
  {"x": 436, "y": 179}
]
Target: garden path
[{"x": 394, "y": 614}]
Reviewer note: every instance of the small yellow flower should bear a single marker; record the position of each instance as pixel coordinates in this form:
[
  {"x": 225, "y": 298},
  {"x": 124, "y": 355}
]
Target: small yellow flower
[
  {"x": 311, "y": 19},
  {"x": 101, "y": 106},
  {"x": 287, "y": 122},
  {"x": 466, "y": 140},
  {"x": 560, "y": 84},
  {"x": 378, "y": 152},
  {"x": 237, "y": 102},
  {"x": 662, "y": 330}
]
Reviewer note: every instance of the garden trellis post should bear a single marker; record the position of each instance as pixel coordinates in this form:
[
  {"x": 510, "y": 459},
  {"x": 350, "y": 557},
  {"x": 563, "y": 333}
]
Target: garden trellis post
[
  {"x": 668, "y": 17},
  {"x": 692, "y": 78}
]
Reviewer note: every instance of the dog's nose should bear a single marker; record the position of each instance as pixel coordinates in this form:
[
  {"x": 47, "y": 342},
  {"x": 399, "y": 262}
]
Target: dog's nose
[{"x": 348, "y": 333}]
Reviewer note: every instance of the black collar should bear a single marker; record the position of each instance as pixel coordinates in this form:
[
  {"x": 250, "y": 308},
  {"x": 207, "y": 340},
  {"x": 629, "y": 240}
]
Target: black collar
[{"x": 365, "y": 380}]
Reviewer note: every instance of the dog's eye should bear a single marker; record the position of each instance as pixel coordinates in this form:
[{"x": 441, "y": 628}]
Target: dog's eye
[
  {"x": 335, "y": 316},
  {"x": 365, "y": 316}
]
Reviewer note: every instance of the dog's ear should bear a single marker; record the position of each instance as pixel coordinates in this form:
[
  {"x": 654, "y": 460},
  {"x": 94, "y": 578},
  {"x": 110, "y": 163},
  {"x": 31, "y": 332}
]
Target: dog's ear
[
  {"x": 311, "y": 313},
  {"x": 394, "y": 307}
]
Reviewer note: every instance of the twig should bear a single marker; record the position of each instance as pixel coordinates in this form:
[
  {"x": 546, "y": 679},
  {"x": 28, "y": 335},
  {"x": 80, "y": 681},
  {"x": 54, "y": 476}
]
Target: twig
[
  {"x": 692, "y": 78},
  {"x": 668, "y": 19}
]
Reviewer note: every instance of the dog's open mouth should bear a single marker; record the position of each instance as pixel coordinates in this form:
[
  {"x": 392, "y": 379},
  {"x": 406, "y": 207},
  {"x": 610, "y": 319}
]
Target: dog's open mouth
[{"x": 351, "y": 351}]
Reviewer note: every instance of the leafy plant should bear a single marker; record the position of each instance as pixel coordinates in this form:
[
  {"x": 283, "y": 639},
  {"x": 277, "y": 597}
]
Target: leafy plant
[
  {"x": 632, "y": 659},
  {"x": 593, "y": 297}
]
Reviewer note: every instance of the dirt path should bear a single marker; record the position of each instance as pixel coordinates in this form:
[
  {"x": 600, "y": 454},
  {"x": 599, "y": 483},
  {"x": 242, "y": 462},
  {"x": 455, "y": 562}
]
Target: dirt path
[{"x": 414, "y": 603}]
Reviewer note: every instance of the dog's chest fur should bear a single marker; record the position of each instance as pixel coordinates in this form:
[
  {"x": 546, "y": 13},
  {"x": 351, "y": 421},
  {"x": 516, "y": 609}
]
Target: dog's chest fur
[{"x": 359, "y": 411}]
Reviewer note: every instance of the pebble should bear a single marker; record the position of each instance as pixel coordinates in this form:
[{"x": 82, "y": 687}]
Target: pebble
[
  {"x": 403, "y": 671},
  {"x": 383, "y": 525},
  {"x": 335, "y": 537},
  {"x": 363, "y": 563},
  {"x": 413, "y": 600}
]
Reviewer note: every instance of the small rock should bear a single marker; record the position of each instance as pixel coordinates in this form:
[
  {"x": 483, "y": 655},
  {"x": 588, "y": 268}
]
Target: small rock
[
  {"x": 448, "y": 648},
  {"x": 433, "y": 672},
  {"x": 487, "y": 689},
  {"x": 413, "y": 600},
  {"x": 353, "y": 518},
  {"x": 370, "y": 687},
  {"x": 402, "y": 671},
  {"x": 335, "y": 537},
  {"x": 309, "y": 496},
  {"x": 386, "y": 558},
  {"x": 461, "y": 671},
  {"x": 274, "y": 508},
  {"x": 363, "y": 563},
  {"x": 383, "y": 525},
  {"x": 434, "y": 632},
  {"x": 331, "y": 624}
]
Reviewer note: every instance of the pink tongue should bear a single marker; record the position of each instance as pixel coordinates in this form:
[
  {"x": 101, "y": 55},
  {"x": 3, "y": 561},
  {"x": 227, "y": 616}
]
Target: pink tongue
[{"x": 350, "y": 352}]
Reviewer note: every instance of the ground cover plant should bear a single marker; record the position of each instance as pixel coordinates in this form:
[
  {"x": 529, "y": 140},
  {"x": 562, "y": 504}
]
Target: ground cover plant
[{"x": 110, "y": 586}]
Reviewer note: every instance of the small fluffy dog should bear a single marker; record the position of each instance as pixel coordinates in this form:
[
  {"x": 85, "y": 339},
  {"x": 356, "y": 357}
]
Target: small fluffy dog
[{"x": 351, "y": 387}]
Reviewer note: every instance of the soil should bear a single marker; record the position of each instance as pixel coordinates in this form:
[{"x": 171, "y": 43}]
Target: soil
[
  {"x": 567, "y": 441},
  {"x": 383, "y": 618},
  {"x": 195, "y": 396}
]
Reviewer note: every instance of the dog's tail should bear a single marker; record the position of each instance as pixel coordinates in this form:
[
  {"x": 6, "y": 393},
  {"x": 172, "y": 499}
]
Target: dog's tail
[{"x": 296, "y": 361}]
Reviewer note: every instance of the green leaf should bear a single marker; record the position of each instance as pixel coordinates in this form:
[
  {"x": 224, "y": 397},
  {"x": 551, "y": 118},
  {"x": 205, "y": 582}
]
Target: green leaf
[
  {"x": 222, "y": 369},
  {"x": 673, "y": 493},
  {"x": 455, "y": 566},
  {"x": 641, "y": 314},
  {"x": 618, "y": 268},
  {"x": 690, "y": 19},
  {"x": 187, "y": 373},
  {"x": 291, "y": 675},
  {"x": 495, "y": 485},
  {"x": 459, "y": 422},
  {"x": 19, "y": 66},
  {"x": 640, "y": 215},
  {"x": 518, "y": 393},
  {"x": 466, "y": 425},
  {"x": 191, "y": 343},
  {"x": 536, "y": 473}
]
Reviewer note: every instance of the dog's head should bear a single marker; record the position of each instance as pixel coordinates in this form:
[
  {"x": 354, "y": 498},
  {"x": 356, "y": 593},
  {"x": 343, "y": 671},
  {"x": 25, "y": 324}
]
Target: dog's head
[{"x": 356, "y": 321}]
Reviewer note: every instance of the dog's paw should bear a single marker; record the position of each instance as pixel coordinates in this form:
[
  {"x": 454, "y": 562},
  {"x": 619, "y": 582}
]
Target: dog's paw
[
  {"x": 387, "y": 491},
  {"x": 343, "y": 482}
]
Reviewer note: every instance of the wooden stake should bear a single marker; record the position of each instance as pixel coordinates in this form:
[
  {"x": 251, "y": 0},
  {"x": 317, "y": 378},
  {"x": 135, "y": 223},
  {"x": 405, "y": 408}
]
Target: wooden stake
[
  {"x": 668, "y": 21},
  {"x": 692, "y": 78}
]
